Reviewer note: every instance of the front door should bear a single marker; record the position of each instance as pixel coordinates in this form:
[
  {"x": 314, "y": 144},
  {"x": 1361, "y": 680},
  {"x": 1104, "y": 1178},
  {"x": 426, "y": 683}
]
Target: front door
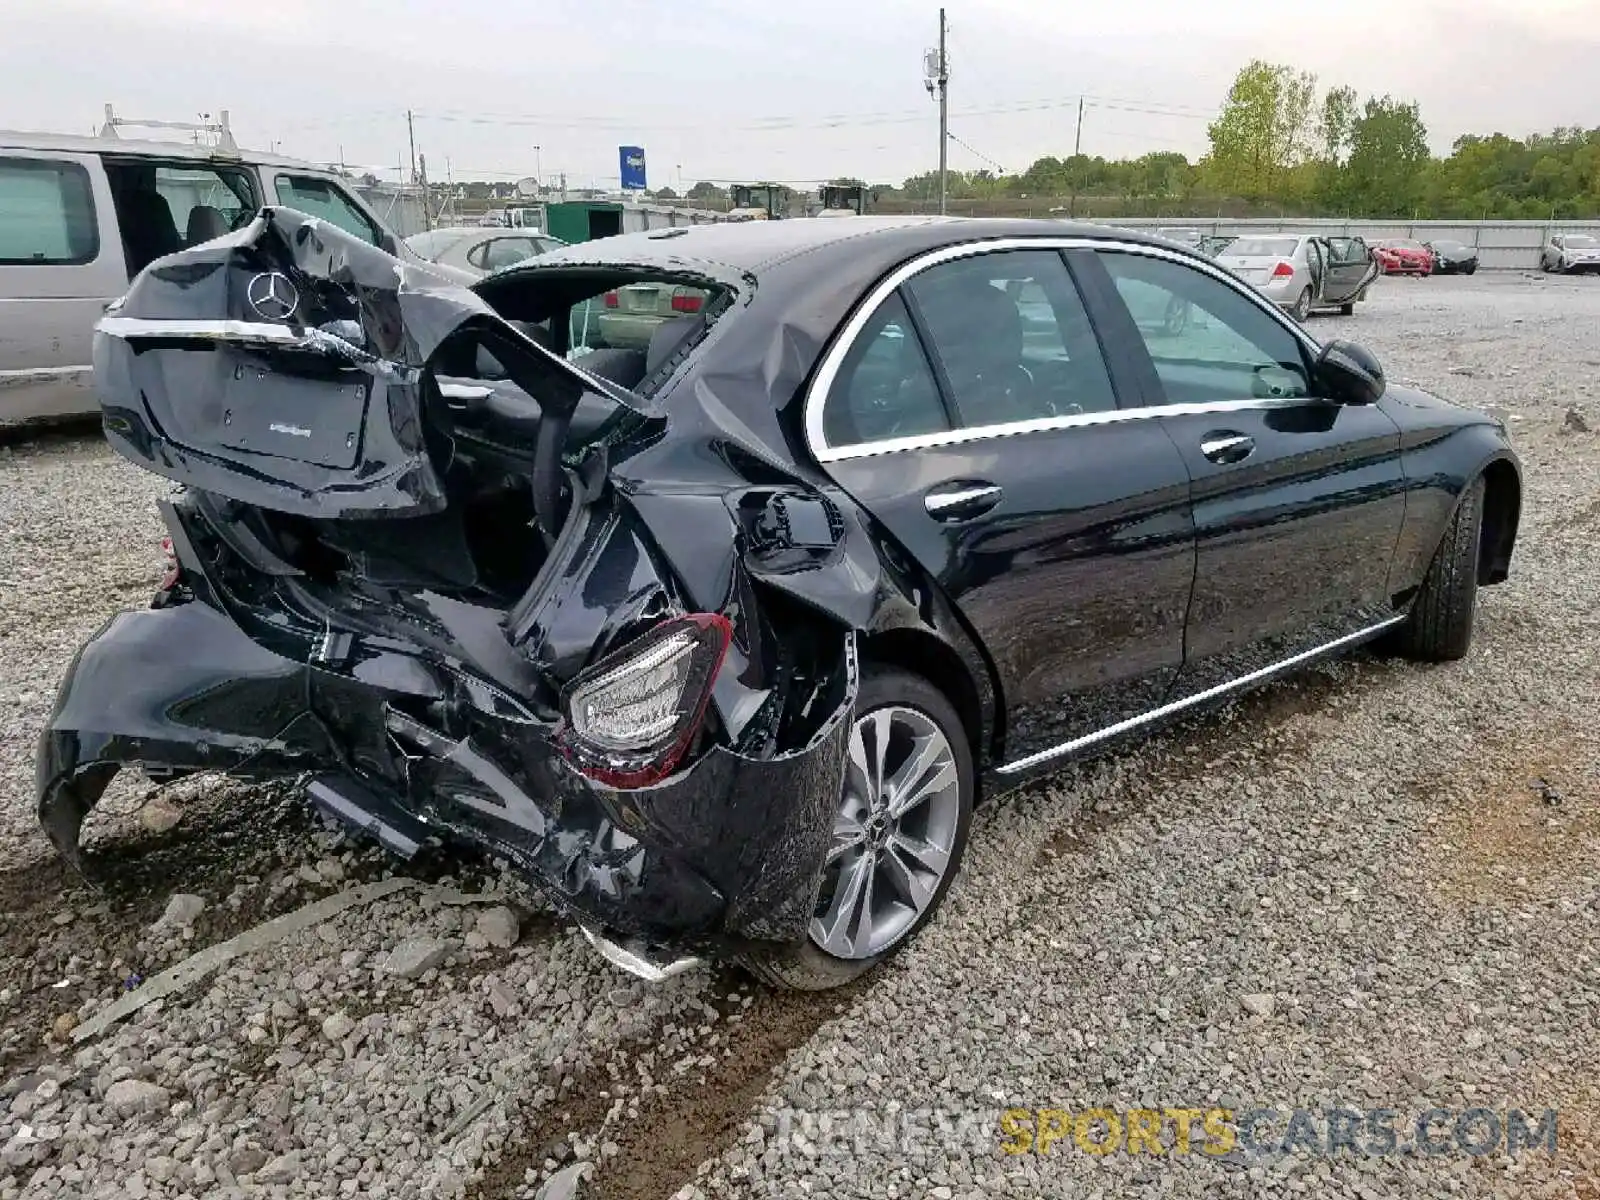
[
  {"x": 975, "y": 417},
  {"x": 1298, "y": 502},
  {"x": 1350, "y": 269}
]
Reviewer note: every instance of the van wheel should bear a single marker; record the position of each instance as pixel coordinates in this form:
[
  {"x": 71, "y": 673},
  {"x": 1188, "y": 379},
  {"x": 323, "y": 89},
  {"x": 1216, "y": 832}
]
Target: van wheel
[
  {"x": 1439, "y": 628},
  {"x": 898, "y": 835}
]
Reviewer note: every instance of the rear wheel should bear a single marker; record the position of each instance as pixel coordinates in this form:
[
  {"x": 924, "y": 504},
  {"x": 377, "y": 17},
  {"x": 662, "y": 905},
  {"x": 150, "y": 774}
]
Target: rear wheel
[
  {"x": 1440, "y": 626},
  {"x": 1302, "y": 305},
  {"x": 899, "y": 832}
]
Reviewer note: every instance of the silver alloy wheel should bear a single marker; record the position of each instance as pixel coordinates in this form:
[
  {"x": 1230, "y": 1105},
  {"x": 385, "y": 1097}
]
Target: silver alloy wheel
[{"x": 893, "y": 834}]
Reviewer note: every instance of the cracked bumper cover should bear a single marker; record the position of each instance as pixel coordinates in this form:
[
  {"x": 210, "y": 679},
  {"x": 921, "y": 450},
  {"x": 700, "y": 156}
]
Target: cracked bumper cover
[{"x": 728, "y": 849}]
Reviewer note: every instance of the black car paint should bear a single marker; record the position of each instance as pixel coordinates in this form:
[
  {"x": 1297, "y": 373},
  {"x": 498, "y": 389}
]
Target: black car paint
[
  {"x": 709, "y": 500},
  {"x": 1453, "y": 258}
]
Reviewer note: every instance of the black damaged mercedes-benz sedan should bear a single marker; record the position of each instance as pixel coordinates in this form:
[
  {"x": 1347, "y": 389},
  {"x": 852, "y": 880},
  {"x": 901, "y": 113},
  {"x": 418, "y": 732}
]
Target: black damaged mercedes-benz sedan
[{"x": 719, "y": 638}]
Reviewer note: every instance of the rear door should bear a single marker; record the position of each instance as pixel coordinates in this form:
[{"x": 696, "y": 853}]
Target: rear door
[
  {"x": 1298, "y": 502},
  {"x": 974, "y": 415},
  {"x": 60, "y": 264},
  {"x": 1350, "y": 269}
]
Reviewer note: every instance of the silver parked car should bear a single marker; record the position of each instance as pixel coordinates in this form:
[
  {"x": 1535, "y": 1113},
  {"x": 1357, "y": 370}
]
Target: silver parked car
[
  {"x": 478, "y": 249},
  {"x": 1304, "y": 273},
  {"x": 1571, "y": 254}
]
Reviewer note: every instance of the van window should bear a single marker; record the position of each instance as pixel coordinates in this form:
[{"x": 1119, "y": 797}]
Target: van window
[
  {"x": 46, "y": 213},
  {"x": 320, "y": 198},
  {"x": 164, "y": 207}
]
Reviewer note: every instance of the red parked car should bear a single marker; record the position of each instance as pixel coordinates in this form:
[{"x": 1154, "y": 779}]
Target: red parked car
[{"x": 1401, "y": 256}]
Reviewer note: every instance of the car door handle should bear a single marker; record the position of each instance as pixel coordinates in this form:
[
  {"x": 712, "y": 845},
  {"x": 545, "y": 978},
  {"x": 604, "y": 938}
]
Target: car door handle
[
  {"x": 959, "y": 502},
  {"x": 1227, "y": 447}
]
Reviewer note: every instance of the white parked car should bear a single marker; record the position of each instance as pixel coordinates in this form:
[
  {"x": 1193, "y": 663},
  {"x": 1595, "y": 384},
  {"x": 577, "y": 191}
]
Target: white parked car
[
  {"x": 1304, "y": 273},
  {"x": 1571, "y": 254},
  {"x": 478, "y": 249}
]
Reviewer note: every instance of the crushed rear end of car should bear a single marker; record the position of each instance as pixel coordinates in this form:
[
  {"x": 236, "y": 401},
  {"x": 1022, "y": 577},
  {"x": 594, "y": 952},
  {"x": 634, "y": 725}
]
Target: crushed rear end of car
[{"x": 467, "y": 591}]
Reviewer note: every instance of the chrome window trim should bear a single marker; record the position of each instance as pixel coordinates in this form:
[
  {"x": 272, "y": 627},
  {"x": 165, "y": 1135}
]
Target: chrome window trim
[
  {"x": 1115, "y": 416},
  {"x": 1222, "y": 689},
  {"x": 816, "y": 396}
]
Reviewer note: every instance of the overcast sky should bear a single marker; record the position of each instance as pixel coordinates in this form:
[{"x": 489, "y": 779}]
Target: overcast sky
[{"x": 723, "y": 89}]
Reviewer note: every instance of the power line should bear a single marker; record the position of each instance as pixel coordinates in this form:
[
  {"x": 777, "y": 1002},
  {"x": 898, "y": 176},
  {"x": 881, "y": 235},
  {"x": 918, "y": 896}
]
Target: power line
[
  {"x": 837, "y": 120},
  {"x": 976, "y": 153}
]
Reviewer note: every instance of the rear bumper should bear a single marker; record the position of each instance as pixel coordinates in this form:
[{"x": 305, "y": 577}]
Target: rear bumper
[
  {"x": 727, "y": 850},
  {"x": 632, "y": 330}
]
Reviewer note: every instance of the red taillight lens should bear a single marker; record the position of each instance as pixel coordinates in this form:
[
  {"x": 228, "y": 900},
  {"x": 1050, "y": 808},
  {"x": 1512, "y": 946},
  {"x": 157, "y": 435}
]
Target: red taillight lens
[
  {"x": 686, "y": 302},
  {"x": 611, "y": 299},
  {"x": 169, "y": 565},
  {"x": 1282, "y": 271},
  {"x": 631, "y": 718}
]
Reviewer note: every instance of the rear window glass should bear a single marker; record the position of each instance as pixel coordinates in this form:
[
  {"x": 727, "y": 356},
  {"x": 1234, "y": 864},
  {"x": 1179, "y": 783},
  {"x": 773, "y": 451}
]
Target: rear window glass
[
  {"x": 46, "y": 213},
  {"x": 1264, "y": 247}
]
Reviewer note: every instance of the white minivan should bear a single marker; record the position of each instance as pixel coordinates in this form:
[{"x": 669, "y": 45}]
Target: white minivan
[{"x": 80, "y": 216}]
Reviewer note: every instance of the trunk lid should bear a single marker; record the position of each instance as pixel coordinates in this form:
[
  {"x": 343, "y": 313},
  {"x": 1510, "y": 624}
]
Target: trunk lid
[{"x": 294, "y": 367}]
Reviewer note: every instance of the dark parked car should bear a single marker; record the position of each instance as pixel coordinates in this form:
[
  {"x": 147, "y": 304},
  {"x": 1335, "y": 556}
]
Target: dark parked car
[
  {"x": 721, "y": 640},
  {"x": 1453, "y": 258}
]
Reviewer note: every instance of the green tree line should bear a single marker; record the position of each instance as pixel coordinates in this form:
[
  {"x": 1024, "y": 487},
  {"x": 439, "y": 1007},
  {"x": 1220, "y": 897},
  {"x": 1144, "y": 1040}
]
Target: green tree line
[{"x": 1280, "y": 143}]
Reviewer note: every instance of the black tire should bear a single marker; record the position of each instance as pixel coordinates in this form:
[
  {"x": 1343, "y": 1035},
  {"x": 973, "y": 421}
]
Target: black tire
[
  {"x": 1470, "y": 270},
  {"x": 1348, "y": 310},
  {"x": 1440, "y": 625},
  {"x": 1302, "y": 305},
  {"x": 804, "y": 966}
]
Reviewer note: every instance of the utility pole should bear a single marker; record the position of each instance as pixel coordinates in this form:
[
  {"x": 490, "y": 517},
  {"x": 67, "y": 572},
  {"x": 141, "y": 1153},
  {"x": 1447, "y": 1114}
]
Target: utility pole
[
  {"x": 411, "y": 130},
  {"x": 936, "y": 78},
  {"x": 427, "y": 205},
  {"x": 944, "y": 114},
  {"x": 1077, "y": 153}
]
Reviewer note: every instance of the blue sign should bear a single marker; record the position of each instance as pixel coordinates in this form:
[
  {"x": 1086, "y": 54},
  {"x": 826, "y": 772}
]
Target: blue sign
[{"x": 632, "y": 159}]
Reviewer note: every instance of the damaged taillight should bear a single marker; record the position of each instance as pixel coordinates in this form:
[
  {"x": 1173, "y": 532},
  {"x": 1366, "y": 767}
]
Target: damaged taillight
[
  {"x": 631, "y": 718},
  {"x": 170, "y": 570}
]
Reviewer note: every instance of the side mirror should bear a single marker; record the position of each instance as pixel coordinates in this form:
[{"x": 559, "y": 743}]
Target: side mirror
[{"x": 1349, "y": 374}]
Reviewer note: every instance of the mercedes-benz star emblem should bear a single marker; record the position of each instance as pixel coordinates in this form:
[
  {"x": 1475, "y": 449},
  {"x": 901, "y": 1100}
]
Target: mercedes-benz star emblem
[{"x": 273, "y": 296}]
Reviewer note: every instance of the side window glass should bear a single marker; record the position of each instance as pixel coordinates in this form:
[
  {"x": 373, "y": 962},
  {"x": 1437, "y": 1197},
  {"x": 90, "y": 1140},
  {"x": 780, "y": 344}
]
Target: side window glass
[
  {"x": 46, "y": 213},
  {"x": 1208, "y": 342},
  {"x": 320, "y": 198},
  {"x": 885, "y": 388},
  {"x": 1012, "y": 337}
]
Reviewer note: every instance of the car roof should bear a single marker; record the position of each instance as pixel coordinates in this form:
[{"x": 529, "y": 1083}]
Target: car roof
[
  {"x": 71, "y": 143},
  {"x": 758, "y": 246}
]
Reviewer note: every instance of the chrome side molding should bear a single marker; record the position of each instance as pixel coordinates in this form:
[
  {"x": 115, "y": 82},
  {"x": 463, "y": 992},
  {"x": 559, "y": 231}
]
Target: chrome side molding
[{"x": 1199, "y": 698}]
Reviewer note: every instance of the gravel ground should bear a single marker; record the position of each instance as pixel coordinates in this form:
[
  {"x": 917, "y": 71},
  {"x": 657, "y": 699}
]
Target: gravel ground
[{"x": 1375, "y": 885}]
